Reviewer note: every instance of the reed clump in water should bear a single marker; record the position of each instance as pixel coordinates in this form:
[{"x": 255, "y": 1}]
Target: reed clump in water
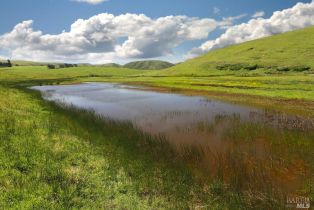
[{"x": 258, "y": 162}]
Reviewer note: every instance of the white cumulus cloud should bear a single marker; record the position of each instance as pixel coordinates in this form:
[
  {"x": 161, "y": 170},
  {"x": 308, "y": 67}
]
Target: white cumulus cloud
[
  {"x": 227, "y": 22},
  {"x": 91, "y": 1},
  {"x": 258, "y": 14},
  {"x": 99, "y": 37},
  {"x": 299, "y": 16}
]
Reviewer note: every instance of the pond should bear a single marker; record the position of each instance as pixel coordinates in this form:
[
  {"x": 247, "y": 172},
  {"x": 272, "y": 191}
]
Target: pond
[
  {"x": 181, "y": 119},
  {"x": 235, "y": 142}
]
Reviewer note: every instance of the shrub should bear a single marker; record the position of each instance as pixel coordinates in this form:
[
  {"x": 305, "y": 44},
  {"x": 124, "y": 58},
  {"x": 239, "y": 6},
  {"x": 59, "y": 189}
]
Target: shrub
[
  {"x": 238, "y": 66},
  {"x": 293, "y": 68},
  {"x": 300, "y": 68},
  {"x": 232, "y": 67},
  {"x": 283, "y": 68},
  {"x": 67, "y": 65},
  {"x": 222, "y": 67},
  {"x": 50, "y": 66},
  {"x": 251, "y": 67}
]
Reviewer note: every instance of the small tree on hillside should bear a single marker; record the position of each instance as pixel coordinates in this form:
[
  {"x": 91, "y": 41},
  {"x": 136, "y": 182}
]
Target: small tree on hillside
[{"x": 9, "y": 63}]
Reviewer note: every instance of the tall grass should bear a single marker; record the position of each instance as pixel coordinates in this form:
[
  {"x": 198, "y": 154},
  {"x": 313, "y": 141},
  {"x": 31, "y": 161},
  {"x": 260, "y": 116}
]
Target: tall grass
[
  {"x": 62, "y": 157},
  {"x": 262, "y": 163}
]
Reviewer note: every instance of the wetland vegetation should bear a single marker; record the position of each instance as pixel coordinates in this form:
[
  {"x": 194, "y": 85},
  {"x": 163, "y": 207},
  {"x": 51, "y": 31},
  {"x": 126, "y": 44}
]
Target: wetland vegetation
[{"x": 61, "y": 157}]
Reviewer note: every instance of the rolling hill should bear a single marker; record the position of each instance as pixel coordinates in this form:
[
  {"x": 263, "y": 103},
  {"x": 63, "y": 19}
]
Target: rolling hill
[
  {"x": 292, "y": 51},
  {"x": 148, "y": 65},
  {"x": 25, "y": 63},
  {"x": 33, "y": 63},
  {"x": 110, "y": 65}
]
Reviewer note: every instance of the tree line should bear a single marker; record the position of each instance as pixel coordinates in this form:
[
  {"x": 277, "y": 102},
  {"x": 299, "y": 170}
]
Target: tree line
[
  {"x": 6, "y": 64},
  {"x": 61, "y": 66}
]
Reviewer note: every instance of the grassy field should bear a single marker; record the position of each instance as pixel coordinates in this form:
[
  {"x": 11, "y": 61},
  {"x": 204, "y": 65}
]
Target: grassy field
[
  {"x": 105, "y": 164},
  {"x": 289, "y": 91},
  {"x": 283, "y": 50},
  {"x": 89, "y": 162},
  {"x": 62, "y": 158}
]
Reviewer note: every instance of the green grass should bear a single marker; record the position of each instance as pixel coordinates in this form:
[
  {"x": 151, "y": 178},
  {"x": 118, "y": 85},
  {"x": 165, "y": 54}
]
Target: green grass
[
  {"x": 283, "y": 50},
  {"x": 90, "y": 162},
  {"x": 61, "y": 158},
  {"x": 148, "y": 65},
  {"x": 82, "y": 162},
  {"x": 280, "y": 86}
]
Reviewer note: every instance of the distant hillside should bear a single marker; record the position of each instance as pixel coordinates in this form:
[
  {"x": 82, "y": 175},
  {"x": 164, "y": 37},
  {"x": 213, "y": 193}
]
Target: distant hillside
[
  {"x": 31, "y": 63},
  {"x": 148, "y": 65},
  {"x": 292, "y": 51},
  {"x": 110, "y": 65},
  {"x": 34, "y": 63},
  {"x": 26, "y": 63}
]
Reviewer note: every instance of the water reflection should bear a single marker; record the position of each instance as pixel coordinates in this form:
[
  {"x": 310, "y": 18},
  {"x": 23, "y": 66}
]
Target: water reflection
[
  {"x": 242, "y": 146},
  {"x": 181, "y": 119}
]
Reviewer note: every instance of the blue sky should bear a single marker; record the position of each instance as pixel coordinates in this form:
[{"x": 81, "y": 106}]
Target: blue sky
[{"x": 54, "y": 16}]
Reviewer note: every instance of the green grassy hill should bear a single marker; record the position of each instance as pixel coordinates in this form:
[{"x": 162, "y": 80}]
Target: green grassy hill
[
  {"x": 110, "y": 65},
  {"x": 31, "y": 63},
  {"x": 292, "y": 51},
  {"x": 34, "y": 63},
  {"x": 25, "y": 63},
  {"x": 148, "y": 65}
]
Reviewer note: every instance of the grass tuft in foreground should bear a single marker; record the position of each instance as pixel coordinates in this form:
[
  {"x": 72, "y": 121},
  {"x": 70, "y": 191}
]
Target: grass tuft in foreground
[{"x": 56, "y": 158}]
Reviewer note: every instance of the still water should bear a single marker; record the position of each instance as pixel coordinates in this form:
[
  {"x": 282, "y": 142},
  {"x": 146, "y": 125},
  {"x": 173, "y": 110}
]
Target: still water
[
  {"x": 181, "y": 119},
  {"x": 244, "y": 146}
]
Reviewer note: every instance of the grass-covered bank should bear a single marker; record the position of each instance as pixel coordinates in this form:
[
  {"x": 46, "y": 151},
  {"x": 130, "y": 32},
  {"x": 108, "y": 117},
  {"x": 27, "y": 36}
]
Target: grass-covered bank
[
  {"x": 62, "y": 158},
  {"x": 289, "y": 91}
]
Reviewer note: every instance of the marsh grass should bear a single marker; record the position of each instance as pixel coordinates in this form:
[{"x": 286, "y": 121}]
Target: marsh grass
[
  {"x": 262, "y": 163},
  {"x": 62, "y": 157}
]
